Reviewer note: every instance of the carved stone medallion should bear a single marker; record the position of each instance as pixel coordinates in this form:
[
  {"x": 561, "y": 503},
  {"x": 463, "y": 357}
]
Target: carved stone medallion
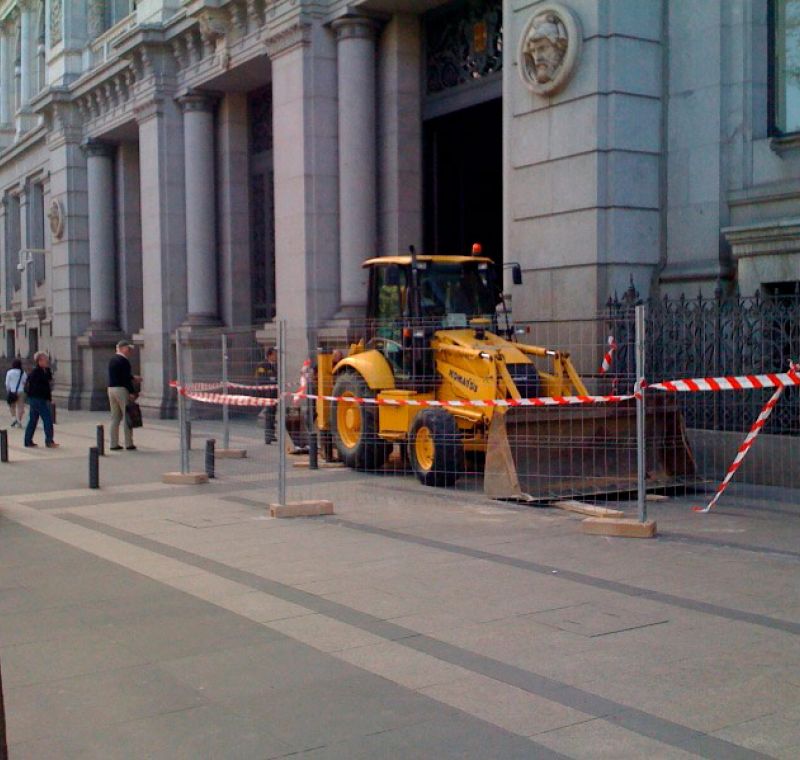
[
  {"x": 549, "y": 48},
  {"x": 56, "y": 216}
]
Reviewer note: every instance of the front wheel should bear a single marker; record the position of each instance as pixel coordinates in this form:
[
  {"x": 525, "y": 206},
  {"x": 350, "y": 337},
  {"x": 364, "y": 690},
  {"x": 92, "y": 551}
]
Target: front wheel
[
  {"x": 354, "y": 425},
  {"x": 435, "y": 448}
]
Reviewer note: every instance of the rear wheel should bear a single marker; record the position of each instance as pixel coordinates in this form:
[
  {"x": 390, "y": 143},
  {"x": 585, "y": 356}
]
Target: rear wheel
[
  {"x": 435, "y": 448},
  {"x": 355, "y": 425}
]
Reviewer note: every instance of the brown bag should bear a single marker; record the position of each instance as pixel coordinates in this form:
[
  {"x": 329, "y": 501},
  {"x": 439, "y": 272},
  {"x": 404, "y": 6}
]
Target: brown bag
[{"x": 133, "y": 414}]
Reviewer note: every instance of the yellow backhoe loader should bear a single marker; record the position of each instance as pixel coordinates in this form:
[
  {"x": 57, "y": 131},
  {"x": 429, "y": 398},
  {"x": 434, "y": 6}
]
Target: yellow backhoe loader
[{"x": 434, "y": 332}]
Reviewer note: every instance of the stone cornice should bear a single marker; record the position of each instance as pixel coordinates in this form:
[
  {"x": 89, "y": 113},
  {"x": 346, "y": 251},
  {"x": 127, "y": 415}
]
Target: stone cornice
[
  {"x": 764, "y": 238},
  {"x": 289, "y": 38}
]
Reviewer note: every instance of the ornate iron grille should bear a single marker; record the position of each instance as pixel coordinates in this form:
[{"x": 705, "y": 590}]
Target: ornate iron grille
[
  {"x": 463, "y": 42},
  {"x": 713, "y": 336}
]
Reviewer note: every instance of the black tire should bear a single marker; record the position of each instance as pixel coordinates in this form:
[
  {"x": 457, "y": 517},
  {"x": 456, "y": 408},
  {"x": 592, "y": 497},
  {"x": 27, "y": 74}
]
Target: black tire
[
  {"x": 366, "y": 451},
  {"x": 446, "y": 462}
]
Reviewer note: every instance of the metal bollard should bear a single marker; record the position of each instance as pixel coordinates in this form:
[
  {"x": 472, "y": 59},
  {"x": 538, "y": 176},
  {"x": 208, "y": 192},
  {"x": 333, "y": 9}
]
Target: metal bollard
[
  {"x": 3, "y": 445},
  {"x": 101, "y": 441},
  {"x": 188, "y": 428},
  {"x": 210, "y": 444},
  {"x": 94, "y": 468}
]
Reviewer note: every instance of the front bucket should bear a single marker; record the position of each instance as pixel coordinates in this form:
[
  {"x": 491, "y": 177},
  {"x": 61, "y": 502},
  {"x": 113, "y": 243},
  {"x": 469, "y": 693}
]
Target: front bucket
[{"x": 549, "y": 453}]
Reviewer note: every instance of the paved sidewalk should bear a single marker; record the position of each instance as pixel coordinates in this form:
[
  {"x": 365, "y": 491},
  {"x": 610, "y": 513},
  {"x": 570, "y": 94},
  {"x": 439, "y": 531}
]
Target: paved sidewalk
[{"x": 146, "y": 620}]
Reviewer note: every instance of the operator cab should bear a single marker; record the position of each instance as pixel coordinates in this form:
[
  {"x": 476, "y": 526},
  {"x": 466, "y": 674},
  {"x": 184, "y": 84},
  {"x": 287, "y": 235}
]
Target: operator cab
[{"x": 412, "y": 297}]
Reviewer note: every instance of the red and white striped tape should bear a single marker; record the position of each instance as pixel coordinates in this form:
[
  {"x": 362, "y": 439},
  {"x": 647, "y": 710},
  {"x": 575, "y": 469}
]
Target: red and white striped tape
[
  {"x": 220, "y": 385},
  {"x": 761, "y": 420},
  {"x": 739, "y": 383},
  {"x": 479, "y": 403},
  {"x": 228, "y": 399},
  {"x": 609, "y": 356},
  {"x": 253, "y": 387},
  {"x": 743, "y": 449}
]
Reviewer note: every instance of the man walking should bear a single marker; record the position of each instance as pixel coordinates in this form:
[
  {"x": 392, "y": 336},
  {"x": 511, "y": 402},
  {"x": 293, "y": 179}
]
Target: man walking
[
  {"x": 120, "y": 391},
  {"x": 37, "y": 388}
]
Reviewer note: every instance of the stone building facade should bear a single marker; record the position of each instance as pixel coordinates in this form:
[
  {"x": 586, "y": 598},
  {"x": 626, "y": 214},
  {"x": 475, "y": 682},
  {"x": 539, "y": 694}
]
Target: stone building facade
[{"x": 213, "y": 163}]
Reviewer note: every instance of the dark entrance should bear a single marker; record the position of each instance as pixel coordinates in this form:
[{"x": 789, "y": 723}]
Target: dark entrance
[{"x": 463, "y": 160}]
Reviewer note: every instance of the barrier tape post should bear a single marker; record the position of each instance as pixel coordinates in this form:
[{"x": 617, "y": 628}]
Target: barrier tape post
[
  {"x": 313, "y": 459},
  {"x": 609, "y": 355},
  {"x": 641, "y": 460},
  {"x": 181, "y": 404},
  {"x": 281, "y": 413},
  {"x": 226, "y": 432}
]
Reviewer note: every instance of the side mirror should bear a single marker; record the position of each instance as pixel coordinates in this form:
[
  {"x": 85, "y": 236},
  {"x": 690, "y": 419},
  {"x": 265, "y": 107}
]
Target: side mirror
[{"x": 516, "y": 274}]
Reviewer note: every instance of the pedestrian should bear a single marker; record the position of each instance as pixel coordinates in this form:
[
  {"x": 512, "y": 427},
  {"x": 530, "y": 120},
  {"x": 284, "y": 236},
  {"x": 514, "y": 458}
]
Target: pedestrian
[
  {"x": 38, "y": 389},
  {"x": 121, "y": 390},
  {"x": 267, "y": 374},
  {"x": 15, "y": 395}
]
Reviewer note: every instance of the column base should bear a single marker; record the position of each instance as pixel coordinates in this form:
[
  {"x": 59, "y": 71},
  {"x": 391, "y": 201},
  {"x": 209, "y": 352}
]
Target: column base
[{"x": 97, "y": 345}]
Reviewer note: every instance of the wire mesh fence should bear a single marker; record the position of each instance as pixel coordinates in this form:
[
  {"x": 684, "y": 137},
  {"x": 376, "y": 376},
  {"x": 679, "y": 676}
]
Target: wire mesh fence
[{"x": 460, "y": 399}]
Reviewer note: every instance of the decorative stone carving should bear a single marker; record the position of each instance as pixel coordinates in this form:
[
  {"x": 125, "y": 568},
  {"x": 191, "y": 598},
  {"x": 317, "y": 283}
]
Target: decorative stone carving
[
  {"x": 549, "y": 48},
  {"x": 56, "y": 22},
  {"x": 55, "y": 215},
  {"x": 214, "y": 30},
  {"x": 287, "y": 39}
]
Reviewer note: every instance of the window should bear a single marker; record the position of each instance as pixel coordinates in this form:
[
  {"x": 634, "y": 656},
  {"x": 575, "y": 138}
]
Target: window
[
  {"x": 785, "y": 66},
  {"x": 463, "y": 42},
  {"x": 36, "y": 270}
]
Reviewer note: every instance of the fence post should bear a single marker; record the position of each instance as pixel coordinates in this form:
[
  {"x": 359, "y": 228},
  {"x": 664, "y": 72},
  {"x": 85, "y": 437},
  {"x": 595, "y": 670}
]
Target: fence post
[
  {"x": 226, "y": 433},
  {"x": 101, "y": 440},
  {"x": 313, "y": 449},
  {"x": 641, "y": 459},
  {"x": 3, "y": 445},
  {"x": 181, "y": 405},
  {"x": 281, "y": 412}
]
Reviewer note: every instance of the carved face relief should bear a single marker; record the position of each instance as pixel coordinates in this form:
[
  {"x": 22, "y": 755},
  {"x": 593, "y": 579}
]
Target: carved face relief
[
  {"x": 549, "y": 49},
  {"x": 56, "y": 216}
]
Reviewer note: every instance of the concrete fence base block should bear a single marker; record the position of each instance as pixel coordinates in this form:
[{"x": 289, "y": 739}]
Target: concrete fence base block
[
  {"x": 311, "y": 508},
  {"x": 622, "y": 527},
  {"x": 184, "y": 478},
  {"x": 230, "y": 453}
]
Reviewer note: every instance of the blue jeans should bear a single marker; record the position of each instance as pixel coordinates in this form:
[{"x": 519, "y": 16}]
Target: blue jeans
[{"x": 39, "y": 408}]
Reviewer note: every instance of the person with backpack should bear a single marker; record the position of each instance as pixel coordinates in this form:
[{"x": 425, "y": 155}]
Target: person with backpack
[
  {"x": 38, "y": 391},
  {"x": 15, "y": 395}
]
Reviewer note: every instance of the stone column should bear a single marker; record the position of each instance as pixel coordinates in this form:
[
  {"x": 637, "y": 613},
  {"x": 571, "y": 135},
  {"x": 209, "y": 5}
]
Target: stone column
[
  {"x": 6, "y": 82},
  {"x": 102, "y": 251},
  {"x": 97, "y": 343},
  {"x": 26, "y": 50},
  {"x": 355, "y": 54},
  {"x": 233, "y": 185},
  {"x": 163, "y": 209},
  {"x": 201, "y": 237}
]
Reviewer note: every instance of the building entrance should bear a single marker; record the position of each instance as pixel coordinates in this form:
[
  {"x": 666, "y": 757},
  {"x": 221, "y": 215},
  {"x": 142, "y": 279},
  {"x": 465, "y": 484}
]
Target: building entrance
[
  {"x": 262, "y": 221},
  {"x": 463, "y": 181}
]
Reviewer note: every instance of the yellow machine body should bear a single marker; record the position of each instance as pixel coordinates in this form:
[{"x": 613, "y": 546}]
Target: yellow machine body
[{"x": 530, "y": 451}]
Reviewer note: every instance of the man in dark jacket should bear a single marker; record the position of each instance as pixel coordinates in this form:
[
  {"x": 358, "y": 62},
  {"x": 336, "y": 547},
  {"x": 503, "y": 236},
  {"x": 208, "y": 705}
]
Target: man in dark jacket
[
  {"x": 121, "y": 390},
  {"x": 37, "y": 388},
  {"x": 267, "y": 374}
]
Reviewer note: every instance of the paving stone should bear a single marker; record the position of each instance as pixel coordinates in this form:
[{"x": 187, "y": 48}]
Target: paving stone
[
  {"x": 506, "y": 706},
  {"x": 600, "y": 740}
]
